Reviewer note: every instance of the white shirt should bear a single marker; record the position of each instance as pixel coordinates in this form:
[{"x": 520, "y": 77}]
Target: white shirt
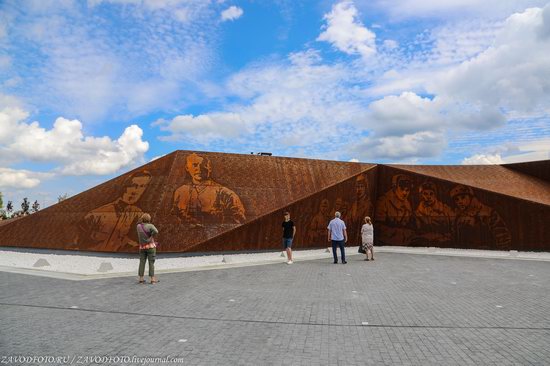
[{"x": 336, "y": 227}]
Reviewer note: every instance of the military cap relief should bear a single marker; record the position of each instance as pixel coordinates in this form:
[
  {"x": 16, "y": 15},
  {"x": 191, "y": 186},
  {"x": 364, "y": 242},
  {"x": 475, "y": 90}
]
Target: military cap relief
[{"x": 477, "y": 225}]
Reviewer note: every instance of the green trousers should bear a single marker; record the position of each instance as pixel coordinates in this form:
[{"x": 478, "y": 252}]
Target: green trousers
[{"x": 144, "y": 255}]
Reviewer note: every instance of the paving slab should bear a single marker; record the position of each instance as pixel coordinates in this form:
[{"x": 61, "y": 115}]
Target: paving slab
[
  {"x": 74, "y": 265},
  {"x": 420, "y": 309}
]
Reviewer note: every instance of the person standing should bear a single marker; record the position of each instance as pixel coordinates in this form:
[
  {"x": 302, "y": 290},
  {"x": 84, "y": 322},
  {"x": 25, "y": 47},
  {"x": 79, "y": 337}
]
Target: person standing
[
  {"x": 147, "y": 247},
  {"x": 367, "y": 238},
  {"x": 338, "y": 235},
  {"x": 289, "y": 230}
]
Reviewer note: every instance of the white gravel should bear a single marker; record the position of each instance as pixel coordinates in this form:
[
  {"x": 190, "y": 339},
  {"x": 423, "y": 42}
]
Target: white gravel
[
  {"x": 74, "y": 265},
  {"x": 90, "y": 264}
]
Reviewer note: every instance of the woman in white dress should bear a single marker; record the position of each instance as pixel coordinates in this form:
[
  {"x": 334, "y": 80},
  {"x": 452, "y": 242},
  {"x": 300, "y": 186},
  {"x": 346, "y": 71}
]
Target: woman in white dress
[{"x": 367, "y": 238}]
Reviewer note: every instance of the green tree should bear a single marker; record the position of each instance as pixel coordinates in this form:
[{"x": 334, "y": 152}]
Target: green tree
[
  {"x": 62, "y": 198},
  {"x": 1, "y": 201},
  {"x": 35, "y": 206},
  {"x": 25, "y": 205}
]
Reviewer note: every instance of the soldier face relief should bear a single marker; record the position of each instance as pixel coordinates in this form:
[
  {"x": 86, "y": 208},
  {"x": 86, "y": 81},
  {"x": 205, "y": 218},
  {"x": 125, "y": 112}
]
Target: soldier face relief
[
  {"x": 338, "y": 204},
  {"x": 403, "y": 189},
  {"x": 361, "y": 188},
  {"x": 428, "y": 197},
  {"x": 462, "y": 201},
  {"x": 134, "y": 191},
  {"x": 324, "y": 206},
  {"x": 198, "y": 168}
]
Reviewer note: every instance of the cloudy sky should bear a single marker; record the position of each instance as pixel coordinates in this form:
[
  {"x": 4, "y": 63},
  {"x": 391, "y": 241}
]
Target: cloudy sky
[{"x": 91, "y": 89}]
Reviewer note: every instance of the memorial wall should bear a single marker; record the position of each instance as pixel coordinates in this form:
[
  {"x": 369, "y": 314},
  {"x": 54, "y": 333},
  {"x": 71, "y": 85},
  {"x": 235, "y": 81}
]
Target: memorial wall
[{"x": 204, "y": 202}]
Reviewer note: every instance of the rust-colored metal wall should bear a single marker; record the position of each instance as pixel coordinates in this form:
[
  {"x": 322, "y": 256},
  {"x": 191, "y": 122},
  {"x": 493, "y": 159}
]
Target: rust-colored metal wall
[
  {"x": 421, "y": 210},
  {"x": 539, "y": 169},
  {"x": 192, "y": 197},
  {"x": 242, "y": 188},
  {"x": 353, "y": 198},
  {"x": 223, "y": 202},
  {"x": 102, "y": 218}
]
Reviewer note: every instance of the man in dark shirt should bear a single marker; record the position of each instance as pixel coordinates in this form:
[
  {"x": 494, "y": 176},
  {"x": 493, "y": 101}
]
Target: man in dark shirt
[{"x": 289, "y": 230}]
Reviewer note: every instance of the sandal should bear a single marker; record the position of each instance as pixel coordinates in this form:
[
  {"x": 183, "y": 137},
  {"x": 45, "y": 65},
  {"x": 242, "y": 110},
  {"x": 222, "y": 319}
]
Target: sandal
[
  {"x": 141, "y": 282},
  {"x": 153, "y": 282}
]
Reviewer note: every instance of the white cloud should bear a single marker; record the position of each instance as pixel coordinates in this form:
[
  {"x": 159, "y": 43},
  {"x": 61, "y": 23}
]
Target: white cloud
[
  {"x": 390, "y": 44},
  {"x": 401, "y": 128},
  {"x": 294, "y": 105},
  {"x": 204, "y": 127},
  {"x": 510, "y": 78},
  {"x": 515, "y": 152},
  {"x": 183, "y": 15},
  {"x": 65, "y": 144},
  {"x": 346, "y": 32},
  {"x": 459, "y": 41},
  {"x": 423, "y": 144},
  {"x": 451, "y": 9},
  {"x": 483, "y": 159},
  {"x": 498, "y": 70},
  {"x": 415, "y": 65},
  {"x": 12, "y": 178},
  {"x": 296, "y": 100},
  {"x": 103, "y": 156},
  {"x": 179, "y": 9},
  {"x": 231, "y": 13},
  {"x": 145, "y": 56},
  {"x": 514, "y": 74},
  {"x": 404, "y": 114},
  {"x": 410, "y": 126}
]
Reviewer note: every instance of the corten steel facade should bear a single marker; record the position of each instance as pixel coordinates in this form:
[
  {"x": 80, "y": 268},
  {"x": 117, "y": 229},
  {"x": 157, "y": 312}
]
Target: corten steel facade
[{"x": 204, "y": 202}]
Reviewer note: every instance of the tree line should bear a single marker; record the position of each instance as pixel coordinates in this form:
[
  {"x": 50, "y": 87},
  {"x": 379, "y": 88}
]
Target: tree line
[{"x": 26, "y": 207}]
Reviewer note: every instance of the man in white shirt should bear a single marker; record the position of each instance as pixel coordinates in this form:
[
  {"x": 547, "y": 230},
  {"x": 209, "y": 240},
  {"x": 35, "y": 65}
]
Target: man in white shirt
[{"x": 338, "y": 235}]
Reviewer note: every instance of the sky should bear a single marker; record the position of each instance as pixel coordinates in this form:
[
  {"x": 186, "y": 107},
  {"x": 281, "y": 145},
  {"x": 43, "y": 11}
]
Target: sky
[{"x": 91, "y": 89}]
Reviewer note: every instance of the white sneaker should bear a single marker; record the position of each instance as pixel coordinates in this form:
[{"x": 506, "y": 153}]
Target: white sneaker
[{"x": 289, "y": 262}]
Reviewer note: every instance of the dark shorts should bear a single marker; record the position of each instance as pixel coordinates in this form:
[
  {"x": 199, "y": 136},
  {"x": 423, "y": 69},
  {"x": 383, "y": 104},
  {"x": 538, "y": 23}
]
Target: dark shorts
[{"x": 287, "y": 243}]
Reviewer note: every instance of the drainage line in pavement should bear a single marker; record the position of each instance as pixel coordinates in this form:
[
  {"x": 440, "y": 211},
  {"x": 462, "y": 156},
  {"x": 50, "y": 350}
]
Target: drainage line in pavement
[{"x": 271, "y": 322}]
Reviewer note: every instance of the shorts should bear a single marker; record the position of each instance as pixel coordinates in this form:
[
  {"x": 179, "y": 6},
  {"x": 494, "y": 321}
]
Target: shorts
[{"x": 287, "y": 243}]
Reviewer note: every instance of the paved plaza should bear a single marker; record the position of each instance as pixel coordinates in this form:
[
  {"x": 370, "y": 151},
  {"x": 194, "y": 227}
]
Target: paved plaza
[{"x": 402, "y": 309}]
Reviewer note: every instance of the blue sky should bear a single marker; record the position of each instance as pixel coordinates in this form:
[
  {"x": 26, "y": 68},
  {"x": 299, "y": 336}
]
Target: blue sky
[{"x": 91, "y": 89}]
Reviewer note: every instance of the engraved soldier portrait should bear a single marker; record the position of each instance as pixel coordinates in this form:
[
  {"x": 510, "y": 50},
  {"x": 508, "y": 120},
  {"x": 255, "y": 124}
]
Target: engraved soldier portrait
[
  {"x": 203, "y": 200},
  {"x": 393, "y": 213},
  {"x": 361, "y": 206},
  {"x": 341, "y": 206},
  {"x": 317, "y": 230},
  {"x": 433, "y": 218},
  {"x": 111, "y": 227},
  {"x": 477, "y": 225}
]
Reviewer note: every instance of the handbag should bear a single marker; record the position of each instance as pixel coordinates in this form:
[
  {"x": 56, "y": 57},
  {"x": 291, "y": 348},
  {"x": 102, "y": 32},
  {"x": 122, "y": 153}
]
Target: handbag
[
  {"x": 361, "y": 250},
  {"x": 157, "y": 244}
]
